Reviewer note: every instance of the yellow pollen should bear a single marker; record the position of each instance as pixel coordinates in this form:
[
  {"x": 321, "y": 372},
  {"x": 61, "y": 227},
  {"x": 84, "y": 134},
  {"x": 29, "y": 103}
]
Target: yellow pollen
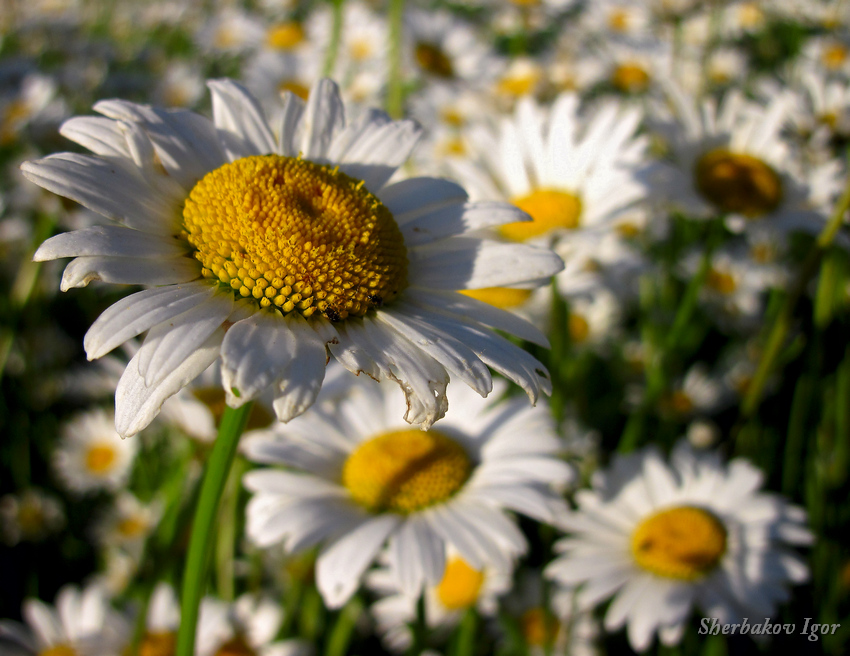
[
  {"x": 284, "y": 36},
  {"x": 406, "y": 470},
  {"x": 630, "y": 78},
  {"x": 551, "y": 209},
  {"x": 460, "y": 585},
  {"x": 834, "y": 56},
  {"x": 721, "y": 282},
  {"x": 738, "y": 183},
  {"x": 432, "y": 59},
  {"x": 500, "y": 297},
  {"x": 100, "y": 457},
  {"x": 59, "y": 650},
  {"x": 578, "y": 328},
  {"x": 214, "y": 399},
  {"x": 235, "y": 647},
  {"x": 539, "y": 627},
  {"x": 296, "y": 236},
  {"x": 683, "y": 543},
  {"x": 618, "y": 20},
  {"x": 158, "y": 644},
  {"x": 295, "y": 87}
]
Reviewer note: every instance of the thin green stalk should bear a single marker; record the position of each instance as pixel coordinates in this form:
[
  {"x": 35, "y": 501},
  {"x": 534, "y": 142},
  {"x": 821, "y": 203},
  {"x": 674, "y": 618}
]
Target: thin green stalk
[
  {"x": 782, "y": 324},
  {"x": 226, "y": 539},
  {"x": 340, "y": 637},
  {"x": 419, "y": 628},
  {"x": 395, "y": 85},
  {"x": 200, "y": 545},
  {"x": 795, "y": 442},
  {"x": 466, "y": 633},
  {"x": 336, "y": 35}
]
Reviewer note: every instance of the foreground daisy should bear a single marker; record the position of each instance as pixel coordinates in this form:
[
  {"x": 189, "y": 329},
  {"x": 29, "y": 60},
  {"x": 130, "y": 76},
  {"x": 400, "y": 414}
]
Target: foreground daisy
[
  {"x": 266, "y": 252},
  {"x": 662, "y": 538},
  {"x": 361, "y": 478}
]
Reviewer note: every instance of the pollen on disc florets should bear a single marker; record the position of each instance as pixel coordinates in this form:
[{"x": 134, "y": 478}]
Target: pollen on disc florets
[
  {"x": 684, "y": 543},
  {"x": 296, "y": 236},
  {"x": 404, "y": 471}
]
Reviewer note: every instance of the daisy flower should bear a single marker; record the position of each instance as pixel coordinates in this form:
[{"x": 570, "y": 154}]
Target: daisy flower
[
  {"x": 91, "y": 456},
  {"x": 127, "y": 523},
  {"x": 31, "y": 515},
  {"x": 460, "y": 588},
  {"x": 82, "y": 622},
  {"x": 662, "y": 538},
  {"x": 267, "y": 252},
  {"x": 360, "y": 479}
]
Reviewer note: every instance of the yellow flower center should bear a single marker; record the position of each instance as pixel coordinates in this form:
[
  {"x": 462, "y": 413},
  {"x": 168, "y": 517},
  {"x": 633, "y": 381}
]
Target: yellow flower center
[
  {"x": 235, "y": 647},
  {"x": 30, "y": 517},
  {"x": 501, "y": 297},
  {"x": 296, "y": 236},
  {"x": 132, "y": 527},
  {"x": 539, "y": 627},
  {"x": 683, "y": 543},
  {"x": 406, "y": 470},
  {"x": 519, "y": 84},
  {"x": 525, "y": 3},
  {"x": 630, "y": 78},
  {"x": 721, "y": 282},
  {"x": 453, "y": 146},
  {"x": 678, "y": 402},
  {"x": 13, "y": 116},
  {"x": 551, "y": 209},
  {"x": 100, "y": 458},
  {"x": 59, "y": 650},
  {"x": 460, "y": 585},
  {"x": 834, "y": 56},
  {"x": 214, "y": 399},
  {"x": 295, "y": 87},
  {"x": 284, "y": 36},
  {"x": 738, "y": 183},
  {"x": 578, "y": 328},
  {"x": 158, "y": 644},
  {"x": 432, "y": 59},
  {"x": 618, "y": 20},
  {"x": 750, "y": 15},
  {"x": 361, "y": 49},
  {"x": 225, "y": 38}
]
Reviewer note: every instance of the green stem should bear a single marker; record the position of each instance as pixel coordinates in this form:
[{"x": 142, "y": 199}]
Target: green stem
[
  {"x": 395, "y": 90},
  {"x": 198, "y": 558},
  {"x": 226, "y": 538},
  {"x": 336, "y": 34},
  {"x": 782, "y": 324},
  {"x": 466, "y": 633},
  {"x": 340, "y": 637}
]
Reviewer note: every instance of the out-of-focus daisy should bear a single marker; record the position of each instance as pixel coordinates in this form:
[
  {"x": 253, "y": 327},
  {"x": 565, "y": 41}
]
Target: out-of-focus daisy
[
  {"x": 822, "y": 107},
  {"x": 247, "y": 626},
  {"x": 518, "y": 78},
  {"x": 82, "y": 622},
  {"x": 830, "y": 53},
  {"x": 461, "y": 587},
  {"x": 697, "y": 392},
  {"x": 181, "y": 85},
  {"x": 593, "y": 320},
  {"x": 91, "y": 455},
  {"x": 127, "y": 523},
  {"x": 662, "y": 538},
  {"x": 362, "y": 479},
  {"x": 161, "y": 623},
  {"x": 269, "y": 75},
  {"x": 30, "y": 516},
  {"x": 34, "y": 101},
  {"x": 230, "y": 30},
  {"x": 557, "y": 628},
  {"x": 635, "y": 68},
  {"x": 732, "y": 161},
  {"x": 617, "y": 18},
  {"x": 316, "y": 261},
  {"x": 742, "y": 17}
]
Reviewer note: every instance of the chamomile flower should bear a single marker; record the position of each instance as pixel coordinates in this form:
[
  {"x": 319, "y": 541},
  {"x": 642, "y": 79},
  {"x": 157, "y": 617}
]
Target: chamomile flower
[
  {"x": 91, "y": 455},
  {"x": 460, "y": 588},
  {"x": 162, "y": 622},
  {"x": 360, "y": 478},
  {"x": 81, "y": 624},
  {"x": 231, "y": 31},
  {"x": 31, "y": 515},
  {"x": 127, "y": 523},
  {"x": 663, "y": 538},
  {"x": 697, "y": 392},
  {"x": 267, "y": 252}
]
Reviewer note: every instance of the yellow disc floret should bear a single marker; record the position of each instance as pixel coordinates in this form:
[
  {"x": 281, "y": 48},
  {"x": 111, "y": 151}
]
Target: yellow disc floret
[
  {"x": 684, "y": 543},
  {"x": 551, "y": 209},
  {"x": 158, "y": 644},
  {"x": 296, "y": 236},
  {"x": 433, "y": 60},
  {"x": 285, "y": 36},
  {"x": 236, "y": 646},
  {"x": 460, "y": 585},
  {"x": 58, "y": 650},
  {"x": 630, "y": 78},
  {"x": 404, "y": 471},
  {"x": 100, "y": 458},
  {"x": 738, "y": 183},
  {"x": 539, "y": 627}
]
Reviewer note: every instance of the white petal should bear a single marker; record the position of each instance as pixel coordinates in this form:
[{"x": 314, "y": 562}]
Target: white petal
[
  {"x": 136, "y": 313},
  {"x": 102, "y": 136},
  {"x": 417, "y": 555},
  {"x": 290, "y": 118},
  {"x": 457, "y": 219},
  {"x": 130, "y": 271},
  {"x": 417, "y": 196},
  {"x": 136, "y": 405},
  {"x": 340, "y": 565},
  {"x": 113, "y": 241},
  {"x": 323, "y": 118},
  {"x": 240, "y": 120},
  {"x": 170, "y": 342},
  {"x": 302, "y": 377}
]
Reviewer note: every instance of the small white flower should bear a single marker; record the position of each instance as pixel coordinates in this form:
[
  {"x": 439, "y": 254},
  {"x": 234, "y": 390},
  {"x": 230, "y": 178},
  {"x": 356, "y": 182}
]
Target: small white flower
[
  {"x": 30, "y": 516},
  {"x": 662, "y": 538}
]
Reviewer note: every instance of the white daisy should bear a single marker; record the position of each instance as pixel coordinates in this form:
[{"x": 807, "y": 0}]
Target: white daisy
[
  {"x": 31, "y": 515},
  {"x": 127, "y": 523},
  {"x": 661, "y": 539},
  {"x": 230, "y": 30},
  {"x": 82, "y": 624},
  {"x": 162, "y": 622},
  {"x": 460, "y": 588},
  {"x": 287, "y": 269},
  {"x": 362, "y": 478},
  {"x": 91, "y": 455}
]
